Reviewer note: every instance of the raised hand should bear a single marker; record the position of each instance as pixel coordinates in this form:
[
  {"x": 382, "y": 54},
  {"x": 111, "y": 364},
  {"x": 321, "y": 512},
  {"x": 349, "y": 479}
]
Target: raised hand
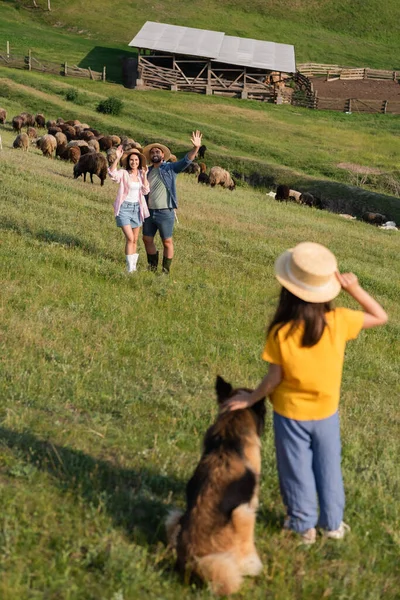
[
  {"x": 196, "y": 138},
  {"x": 119, "y": 152}
]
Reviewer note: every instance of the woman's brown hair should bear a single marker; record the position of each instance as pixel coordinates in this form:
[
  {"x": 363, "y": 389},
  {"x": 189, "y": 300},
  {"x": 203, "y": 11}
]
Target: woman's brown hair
[{"x": 296, "y": 311}]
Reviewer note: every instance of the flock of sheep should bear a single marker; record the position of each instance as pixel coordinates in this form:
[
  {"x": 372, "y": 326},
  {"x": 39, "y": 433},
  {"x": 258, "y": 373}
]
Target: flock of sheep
[{"x": 83, "y": 145}]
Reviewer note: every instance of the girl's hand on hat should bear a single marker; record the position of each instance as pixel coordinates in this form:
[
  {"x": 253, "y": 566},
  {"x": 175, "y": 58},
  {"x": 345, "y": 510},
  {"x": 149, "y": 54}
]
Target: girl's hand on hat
[{"x": 348, "y": 281}]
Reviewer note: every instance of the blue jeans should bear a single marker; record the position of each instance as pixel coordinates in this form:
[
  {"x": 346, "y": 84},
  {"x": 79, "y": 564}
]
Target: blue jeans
[
  {"x": 161, "y": 220},
  {"x": 308, "y": 455}
]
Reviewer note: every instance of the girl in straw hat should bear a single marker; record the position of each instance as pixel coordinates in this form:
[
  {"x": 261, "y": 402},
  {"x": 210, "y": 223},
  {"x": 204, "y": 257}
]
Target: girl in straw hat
[
  {"x": 305, "y": 348},
  {"x": 130, "y": 207}
]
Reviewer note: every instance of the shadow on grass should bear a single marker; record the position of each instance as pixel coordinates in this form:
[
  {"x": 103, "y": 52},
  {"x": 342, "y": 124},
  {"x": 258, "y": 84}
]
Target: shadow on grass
[
  {"x": 136, "y": 500},
  {"x": 55, "y": 237},
  {"x": 110, "y": 58}
]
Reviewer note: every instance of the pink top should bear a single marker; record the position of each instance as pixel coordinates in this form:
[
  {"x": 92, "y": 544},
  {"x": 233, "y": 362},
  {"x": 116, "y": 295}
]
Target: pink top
[{"x": 121, "y": 176}]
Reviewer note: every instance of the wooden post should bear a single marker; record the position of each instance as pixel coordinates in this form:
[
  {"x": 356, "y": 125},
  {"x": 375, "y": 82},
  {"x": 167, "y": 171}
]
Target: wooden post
[
  {"x": 8, "y": 49},
  {"x": 90, "y": 73},
  {"x": 48, "y": 6},
  {"x": 104, "y": 73},
  {"x": 29, "y": 60},
  {"x": 65, "y": 69},
  {"x": 384, "y": 106}
]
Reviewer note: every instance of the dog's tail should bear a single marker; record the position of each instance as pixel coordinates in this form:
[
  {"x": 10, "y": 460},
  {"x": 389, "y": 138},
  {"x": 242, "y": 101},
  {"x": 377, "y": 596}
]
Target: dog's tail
[
  {"x": 173, "y": 526},
  {"x": 222, "y": 571}
]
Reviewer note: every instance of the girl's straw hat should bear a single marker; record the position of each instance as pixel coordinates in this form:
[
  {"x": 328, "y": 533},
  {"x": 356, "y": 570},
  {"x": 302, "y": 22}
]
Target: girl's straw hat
[
  {"x": 308, "y": 271},
  {"x": 142, "y": 159},
  {"x": 165, "y": 150}
]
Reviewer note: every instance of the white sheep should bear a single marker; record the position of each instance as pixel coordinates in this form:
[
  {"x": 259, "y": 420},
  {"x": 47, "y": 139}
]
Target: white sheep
[{"x": 219, "y": 176}]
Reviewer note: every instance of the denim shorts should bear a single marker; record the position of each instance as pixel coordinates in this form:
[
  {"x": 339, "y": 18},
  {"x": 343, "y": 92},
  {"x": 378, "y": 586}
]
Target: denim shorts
[
  {"x": 129, "y": 214},
  {"x": 161, "y": 220}
]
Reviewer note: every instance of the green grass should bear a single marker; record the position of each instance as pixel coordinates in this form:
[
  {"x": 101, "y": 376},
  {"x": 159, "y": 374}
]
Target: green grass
[{"x": 106, "y": 384}]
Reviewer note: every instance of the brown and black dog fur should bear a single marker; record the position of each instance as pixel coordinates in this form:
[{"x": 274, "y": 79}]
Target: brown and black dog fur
[{"x": 214, "y": 537}]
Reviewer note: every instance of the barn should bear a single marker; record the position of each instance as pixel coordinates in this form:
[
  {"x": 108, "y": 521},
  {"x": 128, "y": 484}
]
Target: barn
[{"x": 210, "y": 62}]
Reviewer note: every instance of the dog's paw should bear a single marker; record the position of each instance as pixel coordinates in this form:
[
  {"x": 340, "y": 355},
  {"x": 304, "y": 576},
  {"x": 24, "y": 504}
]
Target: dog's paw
[{"x": 251, "y": 565}]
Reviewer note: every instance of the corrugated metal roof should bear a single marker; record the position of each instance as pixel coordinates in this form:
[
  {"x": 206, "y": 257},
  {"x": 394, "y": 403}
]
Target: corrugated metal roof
[
  {"x": 178, "y": 40},
  {"x": 216, "y": 45}
]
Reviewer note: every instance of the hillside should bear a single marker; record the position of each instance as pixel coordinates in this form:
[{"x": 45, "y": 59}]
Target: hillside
[
  {"x": 340, "y": 31},
  {"x": 106, "y": 381}
]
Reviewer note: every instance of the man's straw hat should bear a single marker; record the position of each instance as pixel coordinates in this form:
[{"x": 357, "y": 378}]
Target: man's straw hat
[
  {"x": 165, "y": 150},
  {"x": 142, "y": 159},
  {"x": 308, "y": 271}
]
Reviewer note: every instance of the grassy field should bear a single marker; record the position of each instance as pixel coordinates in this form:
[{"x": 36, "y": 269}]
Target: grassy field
[
  {"x": 335, "y": 32},
  {"x": 107, "y": 380}
]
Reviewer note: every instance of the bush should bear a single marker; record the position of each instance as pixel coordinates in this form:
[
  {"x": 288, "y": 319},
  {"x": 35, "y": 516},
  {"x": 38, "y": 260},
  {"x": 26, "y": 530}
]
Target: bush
[
  {"x": 72, "y": 95},
  {"x": 110, "y": 106}
]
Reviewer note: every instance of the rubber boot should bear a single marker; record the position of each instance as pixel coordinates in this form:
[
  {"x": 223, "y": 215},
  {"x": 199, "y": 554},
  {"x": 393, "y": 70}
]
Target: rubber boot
[
  {"x": 152, "y": 260},
  {"x": 166, "y": 265},
  {"x": 131, "y": 262}
]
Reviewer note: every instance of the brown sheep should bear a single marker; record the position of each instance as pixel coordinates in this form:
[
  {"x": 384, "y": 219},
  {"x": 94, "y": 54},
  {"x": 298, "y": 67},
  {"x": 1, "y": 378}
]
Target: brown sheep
[
  {"x": 3, "y": 116},
  {"x": 32, "y": 133},
  {"x": 69, "y": 131},
  {"x": 21, "y": 141},
  {"x": 93, "y": 143},
  {"x": 61, "y": 139},
  {"x": 29, "y": 120},
  {"x": 47, "y": 145},
  {"x": 94, "y": 164},
  {"x": 86, "y": 135},
  {"x": 54, "y": 130},
  {"x": 95, "y": 132},
  {"x": 51, "y": 123},
  {"x": 79, "y": 143},
  {"x": 40, "y": 121},
  {"x": 86, "y": 150},
  {"x": 17, "y": 123},
  {"x": 203, "y": 177},
  {"x": 219, "y": 176},
  {"x": 60, "y": 121},
  {"x": 111, "y": 155},
  {"x": 72, "y": 154},
  {"x": 374, "y": 218},
  {"x": 105, "y": 142},
  {"x": 192, "y": 169},
  {"x": 116, "y": 140}
]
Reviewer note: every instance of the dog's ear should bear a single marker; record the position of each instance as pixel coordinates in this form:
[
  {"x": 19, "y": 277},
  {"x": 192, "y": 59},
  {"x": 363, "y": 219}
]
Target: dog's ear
[{"x": 223, "y": 389}]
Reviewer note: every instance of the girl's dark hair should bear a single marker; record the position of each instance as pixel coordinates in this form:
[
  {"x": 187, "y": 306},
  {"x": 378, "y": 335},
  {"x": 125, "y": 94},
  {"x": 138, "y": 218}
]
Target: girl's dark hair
[{"x": 296, "y": 311}]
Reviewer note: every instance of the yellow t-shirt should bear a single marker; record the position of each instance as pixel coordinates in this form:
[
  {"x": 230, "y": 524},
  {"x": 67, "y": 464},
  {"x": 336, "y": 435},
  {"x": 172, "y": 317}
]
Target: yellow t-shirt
[{"x": 310, "y": 387}]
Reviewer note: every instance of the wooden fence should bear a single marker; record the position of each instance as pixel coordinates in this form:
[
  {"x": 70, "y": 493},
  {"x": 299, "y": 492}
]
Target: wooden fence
[
  {"x": 355, "y": 105},
  {"x": 31, "y": 63},
  {"x": 336, "y": 71}
]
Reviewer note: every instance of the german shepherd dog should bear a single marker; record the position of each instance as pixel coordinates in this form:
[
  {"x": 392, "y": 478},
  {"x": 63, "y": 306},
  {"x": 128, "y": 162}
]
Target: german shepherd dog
[{"x": 214, "y": 537}]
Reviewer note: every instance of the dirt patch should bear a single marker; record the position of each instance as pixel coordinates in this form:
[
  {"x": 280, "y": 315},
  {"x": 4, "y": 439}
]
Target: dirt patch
[{"x": 363, "y": 89}]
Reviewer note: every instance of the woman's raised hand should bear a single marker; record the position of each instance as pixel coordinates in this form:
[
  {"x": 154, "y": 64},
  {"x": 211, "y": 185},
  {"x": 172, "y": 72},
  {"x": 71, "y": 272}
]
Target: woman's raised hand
[
  {"x": 196, "y": 138},
  {"x": 348, "y": 281},
  {"x": 119, "y": 152},
  {"x": 144, "y": 170}
]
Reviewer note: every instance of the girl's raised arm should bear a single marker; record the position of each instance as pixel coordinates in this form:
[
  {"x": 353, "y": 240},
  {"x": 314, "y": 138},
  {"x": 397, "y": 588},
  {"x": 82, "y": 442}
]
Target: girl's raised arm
[{"x": 374, "y": 314}]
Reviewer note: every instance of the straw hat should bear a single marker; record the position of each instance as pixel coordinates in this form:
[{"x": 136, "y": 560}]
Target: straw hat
[
  {"x": 146, "y": 151},
  {"x": 308, "y": 271},
  {"x": 142, "y": 159}
]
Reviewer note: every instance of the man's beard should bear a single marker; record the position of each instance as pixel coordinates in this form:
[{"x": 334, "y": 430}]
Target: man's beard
[{"x": 156, "y": 159}]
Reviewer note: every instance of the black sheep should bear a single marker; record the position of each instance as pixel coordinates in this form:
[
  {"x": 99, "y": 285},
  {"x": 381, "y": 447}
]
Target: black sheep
[
  {"x": 94, "y": 164},
  {"x": 202, "y": 150},
  {"x": 282, "y": 192}
]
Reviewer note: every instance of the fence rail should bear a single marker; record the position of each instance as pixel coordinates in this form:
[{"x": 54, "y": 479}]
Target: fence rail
[
  {"x": 31, "y": 63},
  {"x": 337, "y": 71}
]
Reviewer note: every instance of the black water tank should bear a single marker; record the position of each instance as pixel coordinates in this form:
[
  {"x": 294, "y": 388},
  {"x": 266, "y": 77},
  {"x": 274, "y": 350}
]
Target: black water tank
[{"x": 129, "y": 71}]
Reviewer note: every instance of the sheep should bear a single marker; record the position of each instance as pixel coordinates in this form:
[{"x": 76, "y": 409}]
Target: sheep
[
  {"x": 93, "y": 143},
  {"x": 3, "y": 116},
  {"x": 310, "y": 200},
  {"x": 86, "y": 135},
  {"x": 31, "y": 131},
  {"x": 60, "y": 121},
  {"x": 21, "y": 141},
  {"x": 54, "y": 130},
  {"x": 192, "y": 169},
  {"x": 116, "y": 140},
  {"x": 79, "y": 143},
  {"x": 61, "y": 139},
  {"x": 72, "y": 154},
  {"x": 95, "y": 132},
  {"x": 295, "y": 196},
  {"x": 203, "y": 177},
  {"x": 29, "y": 120},
  {"x": 86, "y": 150},
  {"x": 374, "y": 218},
  {"x": 94, "y": 164},
  {"x": 282, "y": 192},
  {"x": 219, "y": 176},
  {"x": 69, "y": 131},
  {"x": 202, "y": 151},
  {"x": 51, "y": 123},
  {"x": 17, "y": 123},
  {"x": 47, "y": 145},
  {"x": 40, "y": 121},
  {"x": 105, "y": 142}
]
